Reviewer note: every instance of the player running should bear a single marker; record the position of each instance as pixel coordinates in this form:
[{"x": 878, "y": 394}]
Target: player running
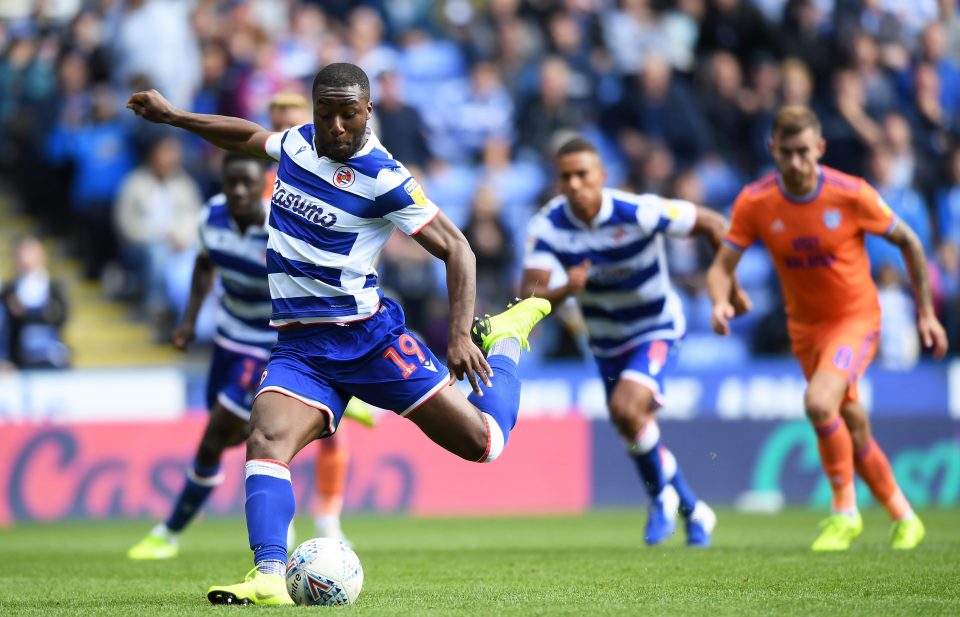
[
  {"x": 338, "y": 197},
  {"x": 287, "y": 110},
  {"x": 609, "y": 243},
  {"x": 812, "y": 219},
  {"x": 233, "y": 239}
]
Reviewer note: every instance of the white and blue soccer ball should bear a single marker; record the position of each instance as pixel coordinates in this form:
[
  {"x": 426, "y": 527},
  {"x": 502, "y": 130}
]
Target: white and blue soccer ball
[{"x": 324, "y": 572}]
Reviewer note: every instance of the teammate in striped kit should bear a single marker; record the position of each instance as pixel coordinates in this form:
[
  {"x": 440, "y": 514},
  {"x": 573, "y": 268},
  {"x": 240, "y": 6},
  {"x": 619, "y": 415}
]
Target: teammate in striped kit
[
  {"x": 609, "y": 244},
  {"x": 338, "y": 197},
  {"x": 233, "y": 239}
]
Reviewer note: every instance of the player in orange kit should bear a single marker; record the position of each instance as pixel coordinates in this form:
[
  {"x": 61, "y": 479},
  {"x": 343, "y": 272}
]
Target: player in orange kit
[
  {"x": 812, "y": 219},
  {"x": 289, "y": 109}
]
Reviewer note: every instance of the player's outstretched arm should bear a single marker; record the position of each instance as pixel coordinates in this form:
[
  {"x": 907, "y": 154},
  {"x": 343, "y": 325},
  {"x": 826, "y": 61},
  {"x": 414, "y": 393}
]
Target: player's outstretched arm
[
  {"x": 931, "y": 331},
  {"x": 535, "y": 283},
  {"x": 232, "y": 134},
  {"x": 709, "y": 225},
  {"x": 712, "y": 226},
  {"x": 444, "y": 241},
  {"x": 720, "y": 284},
  {"x": 200, "y": 286}
]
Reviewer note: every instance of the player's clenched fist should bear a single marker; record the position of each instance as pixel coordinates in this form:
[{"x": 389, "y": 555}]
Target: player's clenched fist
[
  {"x": 577, "y": 277},
  {"x": 720, "y": 319},
  {"x": 151, "y": 105}
]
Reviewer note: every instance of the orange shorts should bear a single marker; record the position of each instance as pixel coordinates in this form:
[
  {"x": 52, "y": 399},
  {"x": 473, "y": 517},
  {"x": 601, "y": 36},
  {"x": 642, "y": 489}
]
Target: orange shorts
[{"x": 844, "y": 348}]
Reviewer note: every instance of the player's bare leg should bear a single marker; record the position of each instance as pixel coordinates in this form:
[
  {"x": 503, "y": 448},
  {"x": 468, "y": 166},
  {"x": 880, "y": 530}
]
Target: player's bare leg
[
  {"x": 280, "y": 426},
  {"x": 476, "y": 428},
  {"x": 633, "y": 408},
  {"x": 872, "y": 465},
  {"x": 453, "y": 423},
  {"x": 825, "y": 393},
  {"x": 224, "y": 430}
]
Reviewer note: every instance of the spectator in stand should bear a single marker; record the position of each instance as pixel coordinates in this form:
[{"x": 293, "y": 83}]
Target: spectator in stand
[
  {"x": 399, "y": 126},
  {"x": 467, "y": 113},
  {"x": 935, "y": 127},
  {"x": 738, "y": 27},
  {"x": 490, "y": 240},
  {"x": 910, "y": 168},
  {"x": 661, "y": 108},
  {"x": 805, "y": 23},
  {"x": 35, "y": 310},
  {"x": 899, "y": 347},
  {"x": 156, "y": 220},
  {"x": 879, "y": 88},
  {"x": 550, "y": 110},
  {"x": 171, "y": 60},
  {"x": 906, "y": 203},
  {"x": 724, "y": 106},
  {"x": 848, "y": 129},
  {"x": 948, "y": 203},
  {"x": 100, "y": 154}
]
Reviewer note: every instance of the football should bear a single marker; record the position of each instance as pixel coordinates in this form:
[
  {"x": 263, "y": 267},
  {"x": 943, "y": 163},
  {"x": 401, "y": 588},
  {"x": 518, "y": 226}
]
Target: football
[{"x": 324, "y": 572}]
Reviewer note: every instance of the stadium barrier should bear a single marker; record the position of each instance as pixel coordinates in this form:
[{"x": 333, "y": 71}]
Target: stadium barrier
[{"x": 740, "y": 439}]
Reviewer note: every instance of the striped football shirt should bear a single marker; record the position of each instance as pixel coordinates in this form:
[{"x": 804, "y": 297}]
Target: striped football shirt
[
  {"x": 628, "y": 298},
  {"x": 328, "y": 223},
  {"x": 243, "y": 321}
]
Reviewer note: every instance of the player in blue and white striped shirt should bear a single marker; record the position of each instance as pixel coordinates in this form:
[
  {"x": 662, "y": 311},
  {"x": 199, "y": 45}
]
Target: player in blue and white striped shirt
[
  {"x": 338, "y": 197},
  {"x": 609, "y": 244},
  {"x": 233, "y": 240}
]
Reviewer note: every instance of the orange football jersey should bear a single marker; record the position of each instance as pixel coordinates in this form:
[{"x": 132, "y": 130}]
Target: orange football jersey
[{"x": 816, "y": 243}]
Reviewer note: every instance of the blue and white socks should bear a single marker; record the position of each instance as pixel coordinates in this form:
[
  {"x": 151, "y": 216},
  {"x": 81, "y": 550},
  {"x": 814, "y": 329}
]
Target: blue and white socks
[
  {"x": 200, "y": 483},
  {"x": 500, "y": 404},
  {"x": 269, "y": 507},
  {"x": 658, "y": 467}
]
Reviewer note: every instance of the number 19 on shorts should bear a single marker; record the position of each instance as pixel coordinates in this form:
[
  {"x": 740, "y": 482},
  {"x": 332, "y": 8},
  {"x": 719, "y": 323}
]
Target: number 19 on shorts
[{"x": 408, "y": 347}]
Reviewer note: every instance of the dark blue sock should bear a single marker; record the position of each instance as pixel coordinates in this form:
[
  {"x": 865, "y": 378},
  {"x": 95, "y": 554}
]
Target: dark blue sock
[
  {"x": 650, "y": 467},
  {"x": 688, "y": 499},
  {"x": 270, "y": 507},
  {"x": 502, "y": 401},
  {"x": 200, "y": 483}
]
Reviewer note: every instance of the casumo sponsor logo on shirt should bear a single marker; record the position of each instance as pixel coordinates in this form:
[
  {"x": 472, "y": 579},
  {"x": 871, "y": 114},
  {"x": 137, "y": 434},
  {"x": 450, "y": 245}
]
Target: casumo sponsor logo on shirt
[{"x": 302, "y": 207}]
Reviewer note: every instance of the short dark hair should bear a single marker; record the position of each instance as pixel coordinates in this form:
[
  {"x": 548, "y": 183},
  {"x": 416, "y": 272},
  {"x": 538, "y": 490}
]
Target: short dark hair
[
  {"x": 794, "y": 119},
  {"x": 232, "y": 157},
  {"x": 574, "y": 145},
  {"x": 342, "y": 75}
]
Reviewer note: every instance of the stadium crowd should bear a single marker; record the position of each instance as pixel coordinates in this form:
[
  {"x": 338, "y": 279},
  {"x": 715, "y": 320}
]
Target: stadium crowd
[{"x": 473, "y": 96}]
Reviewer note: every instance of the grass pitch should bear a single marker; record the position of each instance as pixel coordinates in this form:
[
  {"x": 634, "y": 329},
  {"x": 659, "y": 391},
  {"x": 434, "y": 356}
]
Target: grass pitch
[{"x": 590, "y": 565}]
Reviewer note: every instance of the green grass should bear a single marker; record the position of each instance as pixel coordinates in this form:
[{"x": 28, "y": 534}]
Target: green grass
[{"x": 594, "y": 564}]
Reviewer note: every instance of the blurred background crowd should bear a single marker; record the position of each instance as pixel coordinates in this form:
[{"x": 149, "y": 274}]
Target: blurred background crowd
[{"x": 473, "y": 96}]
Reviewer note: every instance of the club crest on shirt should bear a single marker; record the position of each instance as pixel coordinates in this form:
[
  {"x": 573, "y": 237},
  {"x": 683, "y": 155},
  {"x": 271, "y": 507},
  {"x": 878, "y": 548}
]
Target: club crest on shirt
[
  {"x": 415, "y": 191},
  {"x": 344, "y": 176},
  {"x": 831, "y": 218}
]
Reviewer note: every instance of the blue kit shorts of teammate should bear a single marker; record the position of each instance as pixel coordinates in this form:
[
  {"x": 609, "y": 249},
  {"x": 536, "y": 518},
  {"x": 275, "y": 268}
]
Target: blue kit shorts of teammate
[
  {"x": 645, "y": 364},
  {"x": 232, "y": 381},
  {"x": 376, "y": 359}
]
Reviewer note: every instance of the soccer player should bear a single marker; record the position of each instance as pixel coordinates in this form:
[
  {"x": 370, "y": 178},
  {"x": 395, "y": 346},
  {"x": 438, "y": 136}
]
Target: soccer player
[
  {"x": 338, "y": 197},
  {"x": 812, "y": 219},
  {"x": 233, "y": 240},
  {"x": 287, "y": 110},
  {"x": 609, "y": 243}
]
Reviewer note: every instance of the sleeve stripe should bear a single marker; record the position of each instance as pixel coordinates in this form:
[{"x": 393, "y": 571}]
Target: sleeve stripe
[
  {"x": 430, "y": 220},
  {"x": 892, "y": 226},
  {"x": 734, "y": 245}
]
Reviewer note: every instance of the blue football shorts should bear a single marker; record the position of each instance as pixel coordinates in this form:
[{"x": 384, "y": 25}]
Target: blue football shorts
[
  {"x": 232, "y": 381},
  {"x": 645, "y": 364},
  {"x": 376, "y": 359}
]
